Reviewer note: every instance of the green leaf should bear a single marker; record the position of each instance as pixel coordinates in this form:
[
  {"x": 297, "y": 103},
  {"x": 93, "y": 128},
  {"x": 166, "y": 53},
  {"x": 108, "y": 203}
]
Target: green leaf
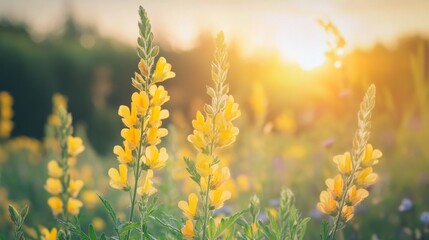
[
  {"x": 109, "y": 209},
  {"x": 14, "y": 215},
  {"x": 125, "y": 227},
  {"x": 92, "y": 234},
  {"x": 226, "y": 223},
  {"x": 102, "y": 237}
]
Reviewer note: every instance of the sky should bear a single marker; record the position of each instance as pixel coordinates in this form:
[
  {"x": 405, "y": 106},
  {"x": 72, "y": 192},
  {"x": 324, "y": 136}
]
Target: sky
[{"x": 286, "y": 25}]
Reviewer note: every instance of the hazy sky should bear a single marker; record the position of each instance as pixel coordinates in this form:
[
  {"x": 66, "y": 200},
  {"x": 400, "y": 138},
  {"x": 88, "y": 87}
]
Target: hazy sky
[{"x": 288, "y": 25}]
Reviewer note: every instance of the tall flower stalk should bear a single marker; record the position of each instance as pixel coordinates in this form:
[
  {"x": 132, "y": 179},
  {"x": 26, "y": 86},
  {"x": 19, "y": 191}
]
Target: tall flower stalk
[
  {"x": 213, "y": 130},
  {"x": 347, "y": 189},
  {"x": 142, "y": 133}
]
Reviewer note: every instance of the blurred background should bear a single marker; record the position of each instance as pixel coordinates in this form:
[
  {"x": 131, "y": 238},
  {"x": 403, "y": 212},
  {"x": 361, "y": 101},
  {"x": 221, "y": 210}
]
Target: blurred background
[{"x": 299, "y": 70}]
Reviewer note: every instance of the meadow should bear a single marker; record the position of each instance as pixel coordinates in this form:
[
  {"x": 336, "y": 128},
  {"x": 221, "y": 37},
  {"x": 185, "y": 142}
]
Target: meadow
[{"x": 109, "y": 143}]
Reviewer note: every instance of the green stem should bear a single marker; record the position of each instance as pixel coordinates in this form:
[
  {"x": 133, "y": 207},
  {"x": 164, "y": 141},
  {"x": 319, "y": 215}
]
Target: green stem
[{"x": 206, "y": 208}]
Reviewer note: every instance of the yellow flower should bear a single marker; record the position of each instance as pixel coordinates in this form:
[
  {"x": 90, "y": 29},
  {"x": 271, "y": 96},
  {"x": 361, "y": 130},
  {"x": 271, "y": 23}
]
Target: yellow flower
[
  {"x": 118, "y": 179},
  {"x": 74, "y": 187},
  {"x": 189, "y": 209},
  {"x": 218, "y": 197},
  {"x": 131, "y": 136},
  {"x": 56, "y": 205},
  {"x": 155, "y": 159},
  {"x": 6, "y": 127},
  {"x": 90, "y": 199},
  {"x": 71, "y": 161},
  {"x": 231, "y": 109},
  {"x": 162, "y": 71},
  {"x": 203, "y": 164},
  {"x": 327, "y": 204},
  {"x": 49, "y": 235},
  {"x": 198, "y": 140},
  {"x": 202, "y": 125},
  {"x": 73, "y": 206},
  {"x": 344, "y": 163},
  {"x": 75, "y": 145},
  {"x": 143, "y": 67},
  {"x": 54, "y": 170},
  {"x": 347, "y": 213},
  {"x": 129, "y": 118},
  {"x": 159, "y": 95},
  {"x": 141, "y": 101},
  {"x": 203, "y": 184},
  {"x": 59, "y": 101},
  {"x": 147, "y": 188},
  {"x": 53, "y": 186},
  {"x": 335, "y": 186},
  {"x": 219, "y": 177},
  {"x": 371, "y": 156},
  {"x": 355, "y": 196},
  {"x": 188, "y": 230},
  {"x": 366, "y": 177},
  {"x": 154, "y": 135},
  {"x": 157, "y": 115},
  {"x": 98, "y": 224},
  {"x": 124, "y": 154}
]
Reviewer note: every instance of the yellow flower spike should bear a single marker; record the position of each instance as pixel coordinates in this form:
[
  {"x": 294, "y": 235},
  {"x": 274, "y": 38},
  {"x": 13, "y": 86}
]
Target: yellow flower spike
[
  {"x": 344, "y": 163},
  {"x": 49, "y": 235},
  {"x": 347, "y": 213},
  {"x": 159, "y": 95},
  {"x": 157, "y": 115},
  {"x": 73, "y": 206},
  {"x": 53, "y": 186},
  {"x": 162, "y": 71},
  {"x": 75, "y": 145},
  {"x": 188, "y": 230},
  {"x": 231, "y": 109},
  {"x": 131, "y": 136},
  {"x": 203, "y": 165},
  {"x": 335, "y": 186},
  {"x": 366, "y": 177},
  {"x": 189, "y": 208},
  {"x": 141, "y": 101},
  {"x": 371, "y": 156},
  {"x": 54, "y": 170},
  {"x": 129, "y": 117},
  {"x": 143, "y": 67},
  {"x": 56, "y": 205},
  {"x": 147, "y": 188},
  {"x": 220, "y": 177},
  {"x": 155, "y": 158},
  {"x": 155, "y": 134},
  {"x": 355, "y": 196},
  {"x": 218, "y": 197},
  {"x": 118, "y": 179},
  {"x": 74, "y": 187},
  {"x": 123, "y": 154},
  {"x": 327, "y": 204}
]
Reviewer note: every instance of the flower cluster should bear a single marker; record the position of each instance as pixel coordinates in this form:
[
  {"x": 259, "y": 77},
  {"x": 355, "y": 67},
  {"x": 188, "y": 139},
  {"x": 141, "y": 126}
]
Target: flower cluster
[
  {"x": 212, "y": 131},
  {"x": 60, "y": 184},
  {"x": 6, "y": 114}
]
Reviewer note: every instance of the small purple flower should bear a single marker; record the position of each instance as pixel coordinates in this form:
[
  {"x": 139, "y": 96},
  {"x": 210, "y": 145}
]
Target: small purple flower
[
  {"x": 274, "y": 202},
  {"x": 316, "y": 214},
  {"x": 406, "y": 205},
  {"x": 424, "y": 218}
]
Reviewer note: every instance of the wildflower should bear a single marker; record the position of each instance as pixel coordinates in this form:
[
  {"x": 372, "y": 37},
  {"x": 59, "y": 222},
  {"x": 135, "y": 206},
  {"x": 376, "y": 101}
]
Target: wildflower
[
  {"x": 141, "y": 101},
  {"x": 220, "y": 176},
  {"x": 131, "y": 136},
  {"x": 49, "y": 235},
  {"x": 56, "y": 205},
  {"x": 143, "y": 67},
  {"x": 371, "y": 156},
  {"x": 98, "y": 224},
  {"x": 159, "y": 95},
  {"x": 73, "y": 206},
  {"x": 335, "y": 186},
  {"x": 344, "y": 163},
  {"x": 124, "y": 154},
  {"x": 327, "y": 204},
  {"x": 155, "y": 159},
  {"x": 118, "y": 179},
  {"x": 231, "y": 109},
  {"x": 157, "y": 115},
  {"x": 347, "y": 213},
  {"x": 188, "y": 230},
  {"x": 147, "y": 188},
  {"x": 74, "y": 187},
  {"x": 406, "y": 205},
  {"x": 6, "y": 113},
  {"x": 162, "y": 71},
  {"x": 366, "y": 177},
  {"x": 218, "y": 197},
  {"x": 355, "y": 196},
  {"x": 155, "y": 134},
  {"x": 203, "y": 164},
  {"x": 53, "y": 186},
  {"x": 129, "y": 117},
  {"x": 424, "y": 217},
  {"x": 75, "y": 145},
  {"x": 189, "y": 208},
  {"x": 54, "y": 170}
]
